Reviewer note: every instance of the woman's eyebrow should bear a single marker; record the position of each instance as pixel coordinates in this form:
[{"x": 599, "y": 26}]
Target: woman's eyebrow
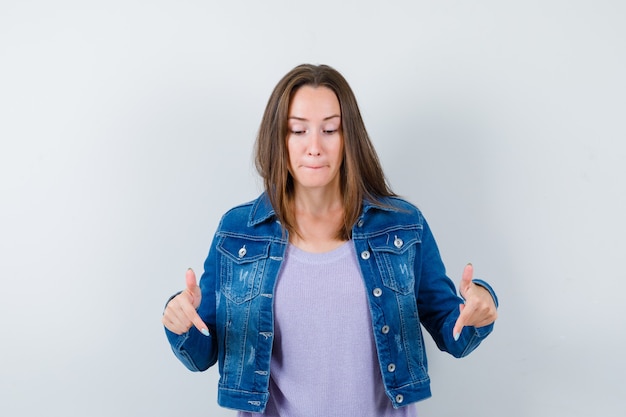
[{"x": 302, "y": 119}]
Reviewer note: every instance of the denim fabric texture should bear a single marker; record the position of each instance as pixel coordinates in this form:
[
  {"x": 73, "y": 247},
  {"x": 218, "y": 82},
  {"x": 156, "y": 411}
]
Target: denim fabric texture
[{"x": 402, "y": 271}]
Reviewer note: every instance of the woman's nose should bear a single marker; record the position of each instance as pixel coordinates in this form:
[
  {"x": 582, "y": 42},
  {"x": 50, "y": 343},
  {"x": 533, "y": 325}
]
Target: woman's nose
[{"x": 314, "y": 144}]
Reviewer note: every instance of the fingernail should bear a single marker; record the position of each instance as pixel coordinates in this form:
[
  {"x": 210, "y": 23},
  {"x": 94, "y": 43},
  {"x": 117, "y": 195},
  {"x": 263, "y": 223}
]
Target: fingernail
[
  {"x": 205, "y": 332},
  {"x": 456, "y": 336},
  {"x": 189, "y": 269},
  {"x": 469, "y": 264}
]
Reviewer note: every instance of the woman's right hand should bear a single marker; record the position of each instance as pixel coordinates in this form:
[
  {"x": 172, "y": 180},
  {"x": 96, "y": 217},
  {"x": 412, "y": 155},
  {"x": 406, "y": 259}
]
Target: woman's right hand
[{"x": 180, "y": 313}]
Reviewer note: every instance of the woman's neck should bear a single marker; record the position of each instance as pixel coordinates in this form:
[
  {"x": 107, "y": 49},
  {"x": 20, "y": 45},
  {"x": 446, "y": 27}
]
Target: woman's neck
[{"x": 319, "y": 217}]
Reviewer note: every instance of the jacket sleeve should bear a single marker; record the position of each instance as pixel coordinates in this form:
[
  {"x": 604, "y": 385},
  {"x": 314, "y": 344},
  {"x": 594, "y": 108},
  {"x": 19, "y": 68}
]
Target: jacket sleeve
[
  {"x": 438, "y": 302},
  {"x": 195, "y": 350}
]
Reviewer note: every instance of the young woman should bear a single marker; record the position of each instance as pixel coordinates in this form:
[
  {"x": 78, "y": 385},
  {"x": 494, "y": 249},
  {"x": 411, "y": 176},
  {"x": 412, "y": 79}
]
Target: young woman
[{"x": 313, "y": 294}]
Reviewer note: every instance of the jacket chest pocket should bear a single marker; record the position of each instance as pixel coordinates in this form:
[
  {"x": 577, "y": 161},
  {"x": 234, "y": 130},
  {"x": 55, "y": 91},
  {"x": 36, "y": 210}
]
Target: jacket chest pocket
[
  {"x": 394, "y": 253},
  {"x": 241, "y": 267}
]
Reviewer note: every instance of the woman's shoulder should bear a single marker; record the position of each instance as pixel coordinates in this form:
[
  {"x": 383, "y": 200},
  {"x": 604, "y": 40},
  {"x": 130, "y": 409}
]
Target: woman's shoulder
[
  {"x": 247, "y": 214},
  {"x": 404, "y": 204},
  {"x": 240, "y": 209},
  {"x": 394, "y": 211},
  {"x": 395, "y": 204}
]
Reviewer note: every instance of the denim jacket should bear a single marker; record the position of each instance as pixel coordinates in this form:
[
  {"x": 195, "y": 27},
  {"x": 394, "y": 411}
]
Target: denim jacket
[{"x": 406, "y": 285}]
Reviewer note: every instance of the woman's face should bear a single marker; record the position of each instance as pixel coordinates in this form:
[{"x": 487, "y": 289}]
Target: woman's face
[{"x": 314, "y": 138}]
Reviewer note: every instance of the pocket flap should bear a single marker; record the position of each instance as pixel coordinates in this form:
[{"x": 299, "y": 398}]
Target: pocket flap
[
  {"x": 242, "y": 250},
  {"x": 397, "y": 241}
]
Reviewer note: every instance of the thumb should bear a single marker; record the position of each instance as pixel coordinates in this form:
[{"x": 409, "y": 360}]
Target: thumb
[
  {"x": 466, "y": 279},
  {"x": 192, "y": 287},
  {"x": 190, "y": 279}
]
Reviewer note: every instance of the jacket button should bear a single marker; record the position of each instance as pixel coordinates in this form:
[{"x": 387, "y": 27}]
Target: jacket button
[
  {"x": 242, "y": 252},
  {"x": 377, "y": 292},
  {"x": 399, "y": 398},
  {"x": 391, "y": 367},
  {"x": 397, "y": 242},
  {"x": 365, "y": 255},
  {"x": 360, "y": 223},
  {"x": 385, "y": 329}
]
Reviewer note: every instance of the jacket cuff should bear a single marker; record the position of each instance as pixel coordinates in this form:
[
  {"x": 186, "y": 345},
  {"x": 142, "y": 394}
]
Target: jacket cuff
[
  {"x": 486, "y": 286},
  {"x": 170, "y": 299}
]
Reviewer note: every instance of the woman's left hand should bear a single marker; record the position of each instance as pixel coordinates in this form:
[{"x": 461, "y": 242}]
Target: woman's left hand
[{"x": 479, "y": 309}]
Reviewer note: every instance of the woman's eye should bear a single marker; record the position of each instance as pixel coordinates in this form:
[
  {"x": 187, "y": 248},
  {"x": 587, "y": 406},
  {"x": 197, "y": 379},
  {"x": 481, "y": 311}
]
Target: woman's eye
[
  {"x": 330, "y": 131},
  {"x": 297, "y": 131}
]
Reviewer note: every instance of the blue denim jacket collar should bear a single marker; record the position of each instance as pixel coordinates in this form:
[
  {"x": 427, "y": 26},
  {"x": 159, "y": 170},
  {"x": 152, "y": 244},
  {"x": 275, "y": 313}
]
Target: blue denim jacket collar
[{"x": 261, "y": 210}]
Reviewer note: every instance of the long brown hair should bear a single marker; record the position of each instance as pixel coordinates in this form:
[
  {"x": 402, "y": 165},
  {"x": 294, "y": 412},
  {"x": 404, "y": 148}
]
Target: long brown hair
[{"x": 361, "y": 175}]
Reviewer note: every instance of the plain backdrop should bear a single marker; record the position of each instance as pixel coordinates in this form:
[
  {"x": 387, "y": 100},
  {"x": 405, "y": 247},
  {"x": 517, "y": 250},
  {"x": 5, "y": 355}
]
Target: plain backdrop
[{"x": 127, "y": 129}]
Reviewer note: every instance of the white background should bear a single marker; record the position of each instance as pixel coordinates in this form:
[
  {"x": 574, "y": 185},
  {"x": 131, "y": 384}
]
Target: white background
[{"x": 127, "y": 129}]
